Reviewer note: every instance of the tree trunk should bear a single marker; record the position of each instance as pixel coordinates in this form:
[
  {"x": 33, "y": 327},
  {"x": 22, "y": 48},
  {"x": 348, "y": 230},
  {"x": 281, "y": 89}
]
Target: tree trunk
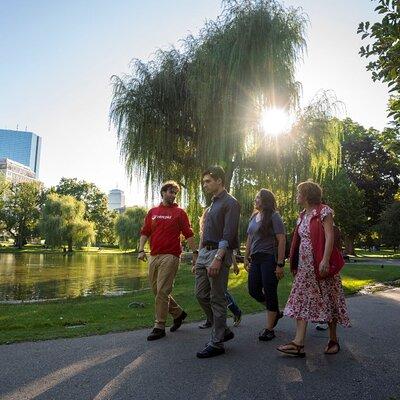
[
  {"x": 70, "y": 245},
  {"x": 349, "y": 245}
]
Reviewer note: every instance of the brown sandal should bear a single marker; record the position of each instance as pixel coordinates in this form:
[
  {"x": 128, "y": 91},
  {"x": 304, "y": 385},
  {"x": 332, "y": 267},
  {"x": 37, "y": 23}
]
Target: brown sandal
[
  {"x": 294, "y": 351},
  {"x": 332, "y": 343}
]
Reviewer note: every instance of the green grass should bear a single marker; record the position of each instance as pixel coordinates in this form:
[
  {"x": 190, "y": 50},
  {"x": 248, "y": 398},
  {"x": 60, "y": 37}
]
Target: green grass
[
  {"x": 99, "y": 315},
  {"x": 385, "y": 253}
]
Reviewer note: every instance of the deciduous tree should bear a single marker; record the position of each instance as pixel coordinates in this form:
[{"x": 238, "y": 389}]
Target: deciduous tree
[
  {"x": 384, "y": 50},
  {"x": 127, "y": 227},
  {"x": 63, "y": 222},
  {"x": 21, "y": 210}
]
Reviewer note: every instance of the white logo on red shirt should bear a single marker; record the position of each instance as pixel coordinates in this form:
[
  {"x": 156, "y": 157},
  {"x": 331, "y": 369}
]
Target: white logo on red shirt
[{"x": 161, "y": 217}]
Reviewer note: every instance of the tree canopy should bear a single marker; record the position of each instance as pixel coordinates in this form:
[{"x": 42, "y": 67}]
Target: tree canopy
[
  {"x": 62, "y": 222},
  {"x": 96, "y": 205},
  {"x": 127, "y": 227},
  {"x": 389, "y": 226},
  {"x": 371, "y": 167},
  {"x": 384, "y": 50},
  {"x": 201, "y": 104},
  {"x": 20, "y": 209}
]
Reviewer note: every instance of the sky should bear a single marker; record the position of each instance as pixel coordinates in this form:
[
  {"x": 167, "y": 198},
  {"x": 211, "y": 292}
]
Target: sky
[{"x": 57, "y": 58}]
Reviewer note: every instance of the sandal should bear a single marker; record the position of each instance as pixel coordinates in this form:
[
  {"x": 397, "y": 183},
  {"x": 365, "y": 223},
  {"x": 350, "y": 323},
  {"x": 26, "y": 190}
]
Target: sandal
[
  {"x": 294, "y": 351},
  {"x": 332, "y": 343}
]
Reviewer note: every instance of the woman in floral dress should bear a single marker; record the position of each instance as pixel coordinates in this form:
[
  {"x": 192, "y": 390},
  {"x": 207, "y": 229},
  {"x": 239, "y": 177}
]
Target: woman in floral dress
[{"x": 315, "y": 296}]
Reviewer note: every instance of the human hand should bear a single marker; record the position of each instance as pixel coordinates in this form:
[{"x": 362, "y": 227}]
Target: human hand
[
  {"x": 323, "y": 268},
  {"x": 246, "y": 264},
  {"x": 193, "y": 269},
  {"x": 235, "y": 269},
  {"x": 279, "y": 272},
  {"x": 213, "y": 269},
  {"x": 142, "y": 256}
]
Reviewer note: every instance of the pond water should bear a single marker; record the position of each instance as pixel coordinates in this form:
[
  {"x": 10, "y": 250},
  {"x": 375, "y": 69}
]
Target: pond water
[{"x": 50, "y": 276}]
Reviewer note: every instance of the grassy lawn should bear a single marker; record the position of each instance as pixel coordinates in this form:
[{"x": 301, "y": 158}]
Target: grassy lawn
[
  {"x": 385, "y": 253},
  {"x": 99, "y": 315}
]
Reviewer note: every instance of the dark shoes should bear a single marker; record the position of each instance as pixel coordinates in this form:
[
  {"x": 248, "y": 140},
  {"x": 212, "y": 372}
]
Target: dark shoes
[
  {"x": 205, "y": 325},
  {"x": 156, "y": 333},
  {"x": 266, "y": 335},
  {"x": 228, "y": 336},
  {"x": 178, "y": 322},
  {"x": 210, "y": 351}
]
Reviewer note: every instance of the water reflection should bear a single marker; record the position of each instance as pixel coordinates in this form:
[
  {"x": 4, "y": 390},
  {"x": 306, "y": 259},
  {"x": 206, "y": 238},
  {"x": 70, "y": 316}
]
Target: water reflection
[{"x": 49, "y": 276}]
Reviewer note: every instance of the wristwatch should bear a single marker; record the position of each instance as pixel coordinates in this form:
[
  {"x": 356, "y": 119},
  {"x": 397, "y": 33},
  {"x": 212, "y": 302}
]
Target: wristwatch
[
  {"x": 195, "y": 252},
  {"x": 281, "y": 264},
  {"x": 218, "y": 257}
]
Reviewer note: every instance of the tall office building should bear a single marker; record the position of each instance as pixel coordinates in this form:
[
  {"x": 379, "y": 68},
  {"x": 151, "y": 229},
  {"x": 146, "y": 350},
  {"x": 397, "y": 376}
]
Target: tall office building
[
  {"x": 22, "y": 147},
  {"x": 116, "y": 200}
]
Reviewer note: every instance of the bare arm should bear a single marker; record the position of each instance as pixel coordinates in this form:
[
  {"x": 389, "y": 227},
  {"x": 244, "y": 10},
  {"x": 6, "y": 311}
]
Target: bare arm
[
  {"x": 328, "y": 229},
  {"x": 234, "y": 263},
  {"x": 280, "y": 237},
  {"x": 247, "y": 254},
  {"x": 191, "y": 243},
  {"x": 142, "y": 242}
]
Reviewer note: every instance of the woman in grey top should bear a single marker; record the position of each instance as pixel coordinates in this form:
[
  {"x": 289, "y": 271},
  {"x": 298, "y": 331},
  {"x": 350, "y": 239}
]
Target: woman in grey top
[{"x": 265, "y": 257}]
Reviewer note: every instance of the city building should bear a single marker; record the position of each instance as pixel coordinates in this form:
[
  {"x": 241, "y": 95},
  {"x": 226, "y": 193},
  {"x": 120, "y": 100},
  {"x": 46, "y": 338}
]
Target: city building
[
  {"x": 22, "y": 147},
  {"x": 116, "y": 200},
  {"x": 15, "y": 172}
]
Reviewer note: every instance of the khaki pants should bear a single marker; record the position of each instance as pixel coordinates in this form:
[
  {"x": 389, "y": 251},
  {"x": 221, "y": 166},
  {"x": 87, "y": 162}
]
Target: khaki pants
[
  {"x": 210, "y": 293},
  {"x": 162, "y": 271}
]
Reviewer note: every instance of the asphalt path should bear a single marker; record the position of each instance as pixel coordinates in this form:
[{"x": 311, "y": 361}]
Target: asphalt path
[{"x": 126, "y": 366}]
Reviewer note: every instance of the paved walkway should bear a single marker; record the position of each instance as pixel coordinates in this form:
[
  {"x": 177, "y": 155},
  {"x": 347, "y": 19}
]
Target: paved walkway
[{"x": 126, "y": 366}]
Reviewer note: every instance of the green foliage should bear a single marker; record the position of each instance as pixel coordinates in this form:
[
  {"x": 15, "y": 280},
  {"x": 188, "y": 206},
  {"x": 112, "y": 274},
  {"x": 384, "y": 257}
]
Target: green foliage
[
  {"x": 384, "y": 50},
  {"x": 201, "y": 105},
  {"x": 62, "y": 222},
  {"x": 348, "y": 202},
  {"x": 20, "y": 209},
  {"x": 389, "y": 225},
  {"x": 96, "y": 203},
  {"x": 127, "y": 227},
  {"x": 370, "y": 167}
]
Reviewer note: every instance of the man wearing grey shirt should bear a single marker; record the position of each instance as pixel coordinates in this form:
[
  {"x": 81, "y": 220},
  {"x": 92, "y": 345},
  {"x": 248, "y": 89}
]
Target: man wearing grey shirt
[{"x": 219, "y": 239}]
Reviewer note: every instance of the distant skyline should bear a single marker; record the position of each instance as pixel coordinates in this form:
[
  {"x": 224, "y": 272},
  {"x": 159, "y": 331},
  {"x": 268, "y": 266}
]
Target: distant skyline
[{"x": 60, "y": 57}]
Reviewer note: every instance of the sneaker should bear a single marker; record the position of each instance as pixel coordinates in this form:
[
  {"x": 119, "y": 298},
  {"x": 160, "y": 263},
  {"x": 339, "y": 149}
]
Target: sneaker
[
  {"x": 205, "y": 325},
  {"x": 279, "y": 315},
  {"x": 210, "y": 351},
  {"x": 237, "y": 318},
  {"x": 266, "y": 335},
  {"x": 228, "y": 336},
  {"x": 178, "y": 322},
  {"x": 156, "y": 333},
  {"x": 321, "y": 327}
]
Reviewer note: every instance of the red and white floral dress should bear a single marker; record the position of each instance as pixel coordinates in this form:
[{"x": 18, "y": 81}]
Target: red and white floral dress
[{"x": 311, "y": 299}]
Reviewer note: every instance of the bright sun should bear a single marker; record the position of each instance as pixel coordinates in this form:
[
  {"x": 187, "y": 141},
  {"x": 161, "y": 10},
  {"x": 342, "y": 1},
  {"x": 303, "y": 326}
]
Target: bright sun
[{"x": 275, "y": 121}]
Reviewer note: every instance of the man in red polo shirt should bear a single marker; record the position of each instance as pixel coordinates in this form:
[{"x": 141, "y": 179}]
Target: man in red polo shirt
[{"x": 164, "y": 225}]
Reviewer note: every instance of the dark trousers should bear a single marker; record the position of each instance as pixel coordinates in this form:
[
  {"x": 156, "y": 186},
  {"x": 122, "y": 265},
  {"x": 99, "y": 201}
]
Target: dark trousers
[
  {"x": 263, "y": 283},
  {"x": 232, "y": 306}
]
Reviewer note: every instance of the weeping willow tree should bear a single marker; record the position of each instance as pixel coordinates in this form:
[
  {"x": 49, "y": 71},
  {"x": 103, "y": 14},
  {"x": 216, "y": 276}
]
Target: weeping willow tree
[{"x": 201, "y": 104}]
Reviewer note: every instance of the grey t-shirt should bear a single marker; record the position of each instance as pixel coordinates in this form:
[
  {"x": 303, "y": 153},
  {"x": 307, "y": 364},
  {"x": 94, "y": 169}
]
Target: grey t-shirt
[{"x": 262, "y": 243}]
